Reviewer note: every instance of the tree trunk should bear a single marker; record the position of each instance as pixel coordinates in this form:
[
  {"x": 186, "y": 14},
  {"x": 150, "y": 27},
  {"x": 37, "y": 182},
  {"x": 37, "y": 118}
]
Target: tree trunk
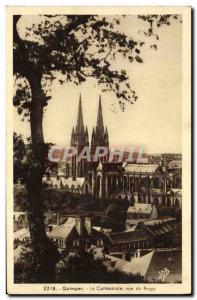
[
  {"x": 34, "y": 184},
  {"x": 44, "y": 254}
]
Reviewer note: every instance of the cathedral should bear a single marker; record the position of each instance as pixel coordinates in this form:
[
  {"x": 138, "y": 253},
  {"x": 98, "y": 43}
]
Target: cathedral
[
  {"x": 80, "y": 139},
  {"x": 141, "y": 182}
]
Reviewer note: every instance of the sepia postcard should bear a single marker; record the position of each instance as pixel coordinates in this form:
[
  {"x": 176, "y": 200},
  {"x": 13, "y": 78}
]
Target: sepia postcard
[{"x": 99, "y": 150}]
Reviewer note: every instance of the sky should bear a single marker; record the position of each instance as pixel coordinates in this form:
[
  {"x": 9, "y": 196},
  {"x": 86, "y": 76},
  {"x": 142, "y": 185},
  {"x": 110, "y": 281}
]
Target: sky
[{"x": 153, "y": 122}]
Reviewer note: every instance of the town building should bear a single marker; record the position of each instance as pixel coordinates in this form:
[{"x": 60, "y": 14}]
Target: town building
[
  {"x": 142, "y": 211},
  {"x": 20, "y": 220},
  {"x": 77, "y": 185},
  {"x": 78, "y": 231},
  {"x": 147, "y": 234},
  {"x": 174, "y": 169}
]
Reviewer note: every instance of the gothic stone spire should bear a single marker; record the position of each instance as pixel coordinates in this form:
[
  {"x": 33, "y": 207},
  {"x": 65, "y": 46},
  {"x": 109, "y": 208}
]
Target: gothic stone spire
[
  {"x": 80, "y": 125},
  {"x": 99, "y": 125},
  {"x": 99, "y": 131},
  {"x": 99, "y": 137}
]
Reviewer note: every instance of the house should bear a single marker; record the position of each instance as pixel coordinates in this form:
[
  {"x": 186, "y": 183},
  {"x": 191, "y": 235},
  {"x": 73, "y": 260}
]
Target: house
[
  {"x": 20, "y": 220},
  {"x": 21, "y": 237},
  {"x": 78, "y": 185},
  {"x": 142, "y": 211},
  {"x": 138, "y": 265},
  {"x": 64, "y": 234},
  {"x": 130, "y": 241},
  {"x": 150, "y": 234},
  {"x": 78, "y": 231}
]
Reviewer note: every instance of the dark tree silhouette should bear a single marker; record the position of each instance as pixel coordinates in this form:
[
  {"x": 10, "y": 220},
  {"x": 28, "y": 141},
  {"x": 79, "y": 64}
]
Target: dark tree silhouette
[{"x": 117, "y": 216}]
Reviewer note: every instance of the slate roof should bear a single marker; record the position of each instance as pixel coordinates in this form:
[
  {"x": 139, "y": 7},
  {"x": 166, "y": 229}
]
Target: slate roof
[
  {"x": 135, "y": 266},
  {"x": 141, "y": 168},
  {"x": 62, "y": 231},
  {"x": 156, "y": 229},
  {"x": 78, "y": 182},
  {"x": 130, "y": 236},
  {"x": 21, "y": 234},
  {"x": 158, "y": 221},
  {"x": 143, "y": 231},
  {"x": 148, "y": 222}
]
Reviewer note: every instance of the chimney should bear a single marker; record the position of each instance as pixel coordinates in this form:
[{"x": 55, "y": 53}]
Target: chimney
[
  {"x": 138, "y": 253},
  {"x": 58, "y": 219},
  {"x": 88, "y": 226},
  {"x": 78, "y": 225}
]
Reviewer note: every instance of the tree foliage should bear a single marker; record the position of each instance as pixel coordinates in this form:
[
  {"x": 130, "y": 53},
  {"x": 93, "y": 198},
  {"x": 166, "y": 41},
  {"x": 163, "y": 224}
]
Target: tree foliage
[
  {"x": 115, "y": 217},
  {"x": 79, "y": 47},
  {"x": 21, "y": 156},
  {"x": 27, "y": 267}
]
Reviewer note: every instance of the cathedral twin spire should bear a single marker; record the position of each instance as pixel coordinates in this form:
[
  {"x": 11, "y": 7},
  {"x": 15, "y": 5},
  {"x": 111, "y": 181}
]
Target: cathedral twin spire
[
  {"x": 80, "y": 133},
  {"x": 80, "y": 125},
  {"x": 99, "y": 125},
  {"x": 99, "y": 135}
]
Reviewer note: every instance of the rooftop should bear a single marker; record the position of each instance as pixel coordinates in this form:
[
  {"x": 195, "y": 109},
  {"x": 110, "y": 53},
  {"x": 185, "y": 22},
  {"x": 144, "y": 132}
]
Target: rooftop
[
  {"x": 141, "y": 168},
  {"x": 130, "y": 236},
  {"x": 21, "y": 234},
  {"x": 78, "y": 182},
  {"x": 142, "y": 208},
  {"x": 62, "y": 231}
]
